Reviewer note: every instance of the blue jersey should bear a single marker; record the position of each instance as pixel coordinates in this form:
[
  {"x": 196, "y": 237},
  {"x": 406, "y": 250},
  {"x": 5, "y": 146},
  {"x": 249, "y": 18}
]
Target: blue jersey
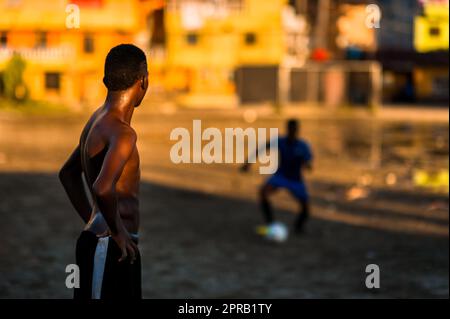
[{"x": 292, "y": 157}]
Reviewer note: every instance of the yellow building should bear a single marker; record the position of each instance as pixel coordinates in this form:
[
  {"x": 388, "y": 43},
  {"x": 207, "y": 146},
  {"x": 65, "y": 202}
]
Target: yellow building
[
  {"x": 208, "y": 41},
  {"x": 64, "y": 43},
  {"x": 431, "y": 30},
  {"x": 431, "y": 33}
]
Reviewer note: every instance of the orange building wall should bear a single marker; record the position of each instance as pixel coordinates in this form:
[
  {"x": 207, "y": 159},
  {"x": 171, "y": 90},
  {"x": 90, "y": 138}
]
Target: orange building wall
[{"x": 81, "y": 73}]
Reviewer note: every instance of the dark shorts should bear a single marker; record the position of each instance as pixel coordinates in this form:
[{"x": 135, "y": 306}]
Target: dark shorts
[
  {"x": 101, "y": 274},
  {"x": 297, "y": 188}
]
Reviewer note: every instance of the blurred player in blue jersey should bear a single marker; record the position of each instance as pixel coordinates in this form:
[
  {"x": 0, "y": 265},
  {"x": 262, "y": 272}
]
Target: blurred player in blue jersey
[{"x": 294, "y": 156}]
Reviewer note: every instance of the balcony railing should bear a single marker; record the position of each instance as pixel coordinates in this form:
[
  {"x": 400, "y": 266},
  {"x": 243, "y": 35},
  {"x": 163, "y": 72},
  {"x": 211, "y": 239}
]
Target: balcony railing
[
  {"x": 39, "y": 55},
  {"x": 206, "y": 5}
]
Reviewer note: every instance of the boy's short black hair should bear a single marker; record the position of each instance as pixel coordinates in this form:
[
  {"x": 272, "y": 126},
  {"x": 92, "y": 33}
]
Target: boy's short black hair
[
  {"x": 293, "y": 123},
  {"x": 123, "y": 67}
]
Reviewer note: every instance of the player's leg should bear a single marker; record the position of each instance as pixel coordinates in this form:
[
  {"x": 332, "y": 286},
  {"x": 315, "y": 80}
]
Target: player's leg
[
  {"x": 299, "y": 191},
  {"x": 266, "y": 207},
  {"x": 303, "y": 214}
]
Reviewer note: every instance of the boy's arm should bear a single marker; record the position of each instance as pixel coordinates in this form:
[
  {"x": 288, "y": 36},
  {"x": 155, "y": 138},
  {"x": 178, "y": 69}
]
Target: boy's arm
[
  {"x": 119, "y": 151},
  {"x": 71, "y": 178},
  {"x": 308, "y": 158}
]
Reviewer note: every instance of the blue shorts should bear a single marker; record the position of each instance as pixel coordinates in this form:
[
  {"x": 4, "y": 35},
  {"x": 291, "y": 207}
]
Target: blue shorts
[{"x": 297, "y": 188}]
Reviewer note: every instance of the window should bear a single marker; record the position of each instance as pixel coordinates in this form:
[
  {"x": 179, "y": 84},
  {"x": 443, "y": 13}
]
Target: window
[
  {"x": 192, "y": 38},
  {"x": 2, "y": 86},
  {"x": 435, "y": 32},
  {"x": 41, "y": 39},
  {"x": 88, "y": 43},
  {"x": 3, "y": 39},
  {"x": 156, "y": 23},
  {"x": 250, "y": 38},
  {"x": 52, "y": 80}
]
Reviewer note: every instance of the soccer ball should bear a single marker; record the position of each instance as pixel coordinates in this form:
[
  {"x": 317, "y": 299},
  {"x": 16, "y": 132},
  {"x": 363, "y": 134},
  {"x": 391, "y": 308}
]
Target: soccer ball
[{"x": 277, "y": 232}]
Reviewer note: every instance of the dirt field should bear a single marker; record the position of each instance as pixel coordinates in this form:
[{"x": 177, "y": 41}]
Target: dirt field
[{"x": 198, "y": 226}]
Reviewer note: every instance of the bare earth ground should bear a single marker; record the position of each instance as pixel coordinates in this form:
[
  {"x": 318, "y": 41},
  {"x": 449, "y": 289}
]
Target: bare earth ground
[{"x": 198, "y": 221}]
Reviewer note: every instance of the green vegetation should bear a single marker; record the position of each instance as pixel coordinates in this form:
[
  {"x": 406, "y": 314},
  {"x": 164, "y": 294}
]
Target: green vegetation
[
  {"x": 13, "y": 83},
  {"x": 15, "y": 94}
]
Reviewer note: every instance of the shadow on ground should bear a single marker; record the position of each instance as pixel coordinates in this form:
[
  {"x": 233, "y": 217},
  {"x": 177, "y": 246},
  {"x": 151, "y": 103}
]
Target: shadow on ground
[{"x": 197, "y": 245}]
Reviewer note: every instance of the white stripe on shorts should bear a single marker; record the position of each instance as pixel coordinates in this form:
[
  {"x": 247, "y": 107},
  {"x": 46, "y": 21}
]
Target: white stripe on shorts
[{"x": 99, "y": 266}]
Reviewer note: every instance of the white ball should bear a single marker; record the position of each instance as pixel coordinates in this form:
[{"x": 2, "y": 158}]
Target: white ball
[{"x": 277, "y": 232}]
